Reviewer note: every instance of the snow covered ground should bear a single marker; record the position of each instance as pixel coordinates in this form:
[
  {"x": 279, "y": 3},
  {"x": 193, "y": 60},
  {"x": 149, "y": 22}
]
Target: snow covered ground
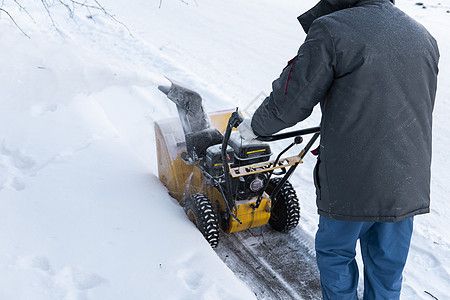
[{"x": 82, "y": 212}]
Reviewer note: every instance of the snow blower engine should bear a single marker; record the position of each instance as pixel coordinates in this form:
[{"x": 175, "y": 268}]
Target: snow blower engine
[{"x": 222, "y": 181}]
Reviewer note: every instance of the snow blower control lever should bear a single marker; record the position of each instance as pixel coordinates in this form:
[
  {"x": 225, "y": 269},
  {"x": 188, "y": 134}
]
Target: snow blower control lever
[
  {"x": 298, "y": 139},
  {"x": 233, "y": 122}
]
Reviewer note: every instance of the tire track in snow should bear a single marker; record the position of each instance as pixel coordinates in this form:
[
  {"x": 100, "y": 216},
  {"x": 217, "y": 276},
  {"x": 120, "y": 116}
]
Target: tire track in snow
[{"x": 272, "y": 264}]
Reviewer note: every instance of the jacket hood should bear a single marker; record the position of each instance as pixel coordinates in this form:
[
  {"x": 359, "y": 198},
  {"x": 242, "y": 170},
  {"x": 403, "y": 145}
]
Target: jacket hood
[{"x": 325, "y": 7}]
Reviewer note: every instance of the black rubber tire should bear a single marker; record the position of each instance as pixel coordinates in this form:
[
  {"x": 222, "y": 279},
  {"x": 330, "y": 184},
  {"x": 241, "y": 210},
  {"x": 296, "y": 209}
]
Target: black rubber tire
[
  {"x": 285, "y": 214},
  {"x": 200, "y": 211}
]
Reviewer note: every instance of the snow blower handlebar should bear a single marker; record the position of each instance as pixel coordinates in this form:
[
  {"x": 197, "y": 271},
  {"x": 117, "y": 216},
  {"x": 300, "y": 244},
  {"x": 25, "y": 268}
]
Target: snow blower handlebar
[{"x": 286, "y": 135}]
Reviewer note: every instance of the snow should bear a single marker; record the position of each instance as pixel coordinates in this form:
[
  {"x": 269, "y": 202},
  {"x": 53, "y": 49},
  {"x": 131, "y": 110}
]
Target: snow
[{"x": 82, "y": 212}]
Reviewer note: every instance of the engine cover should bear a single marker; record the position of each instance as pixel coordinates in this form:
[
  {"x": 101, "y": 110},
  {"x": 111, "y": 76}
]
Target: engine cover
[
  {"x": 213, "y": 160},
  {"x": 246, "y": 153}
]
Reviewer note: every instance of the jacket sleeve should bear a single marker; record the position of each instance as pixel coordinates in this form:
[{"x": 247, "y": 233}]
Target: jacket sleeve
[{"x": 301, "y": 85}]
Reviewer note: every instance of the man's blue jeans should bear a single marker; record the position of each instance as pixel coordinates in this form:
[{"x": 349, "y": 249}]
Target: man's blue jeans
[{"x": 384, "y": 248}]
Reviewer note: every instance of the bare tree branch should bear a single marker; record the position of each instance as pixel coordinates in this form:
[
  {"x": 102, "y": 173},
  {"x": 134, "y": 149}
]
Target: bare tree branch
[
  {"x": 45, "y": 4},
  {"x": 85, "y": 4},
  {"x": 182, "y": 1},
  {"x": 71, "y": 6},
  {"x": 14, "y": 21},
  {"x": 24, "y": 9},
  {"x": 69, "y": 10},
  {"x": 111, "y": 16}
]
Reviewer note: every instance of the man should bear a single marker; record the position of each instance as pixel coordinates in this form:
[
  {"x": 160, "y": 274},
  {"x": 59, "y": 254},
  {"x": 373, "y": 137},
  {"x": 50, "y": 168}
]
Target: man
[{"x": 374, "y": 71}]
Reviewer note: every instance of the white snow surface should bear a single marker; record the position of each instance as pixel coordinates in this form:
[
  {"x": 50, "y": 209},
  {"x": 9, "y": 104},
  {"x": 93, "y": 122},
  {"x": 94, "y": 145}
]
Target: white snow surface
[{"x": 82, "y": 212}]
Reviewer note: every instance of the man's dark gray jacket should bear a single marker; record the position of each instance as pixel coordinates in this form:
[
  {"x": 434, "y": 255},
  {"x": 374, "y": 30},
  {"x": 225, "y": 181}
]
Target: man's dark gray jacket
[{"x": 374, "y": 71}]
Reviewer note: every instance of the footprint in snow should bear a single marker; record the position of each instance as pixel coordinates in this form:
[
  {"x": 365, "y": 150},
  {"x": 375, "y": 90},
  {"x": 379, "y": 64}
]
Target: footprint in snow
[
  {"x": 35, "y": 262},
  {"x": 16, "y": 158},
  {"x": 424, "y": 257},
  {"x": 74, "y": 279},
  {"x": 14, "y": 165},
  {"x": 67, "y": 283},
  {"x": 408, "y": 292},
  {"x": 191, "y": 278},
  {"x": 41, "y": 109}
]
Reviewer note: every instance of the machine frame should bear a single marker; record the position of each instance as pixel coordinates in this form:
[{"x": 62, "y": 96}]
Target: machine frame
[{"x": 194, "y": 186}]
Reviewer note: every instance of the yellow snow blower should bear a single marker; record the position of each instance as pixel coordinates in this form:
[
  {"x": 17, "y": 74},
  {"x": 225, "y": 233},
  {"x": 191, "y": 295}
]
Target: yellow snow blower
[{"x": 221, "y": 180}]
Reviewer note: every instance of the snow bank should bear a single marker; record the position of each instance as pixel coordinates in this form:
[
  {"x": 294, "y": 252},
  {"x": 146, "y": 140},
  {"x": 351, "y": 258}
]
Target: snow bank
[{"x": 82, "y": 213}]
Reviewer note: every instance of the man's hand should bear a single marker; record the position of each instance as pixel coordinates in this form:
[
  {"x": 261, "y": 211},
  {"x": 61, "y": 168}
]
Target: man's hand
[{"x": 246, "y": 131}]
